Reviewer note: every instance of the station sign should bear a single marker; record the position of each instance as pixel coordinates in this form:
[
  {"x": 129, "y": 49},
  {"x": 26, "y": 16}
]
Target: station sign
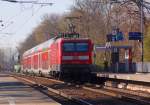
[
  {"x": 120, "y": 36},
  {"x": 135, "y": 36},
  {"x": 115, "y": 37},
  {"x": 69, "y": 35}
]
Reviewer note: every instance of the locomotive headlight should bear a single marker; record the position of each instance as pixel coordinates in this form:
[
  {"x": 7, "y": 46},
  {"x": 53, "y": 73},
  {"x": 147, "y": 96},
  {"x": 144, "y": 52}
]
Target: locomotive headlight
[
  {"x": 83, "y": 57},
  {"x": 75, "y": 58}
]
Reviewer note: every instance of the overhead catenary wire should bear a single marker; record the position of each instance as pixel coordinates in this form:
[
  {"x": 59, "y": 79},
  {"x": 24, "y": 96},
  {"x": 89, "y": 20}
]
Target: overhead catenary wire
[
  {"x": 27, "y": 20},
  {"x": 10, "y": 21},
  {"x": 29, "y": 2}
]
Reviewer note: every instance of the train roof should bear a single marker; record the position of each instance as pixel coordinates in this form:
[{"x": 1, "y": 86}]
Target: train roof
[
  {"x": 39, "y": 47},
  {"x": 47, "y": 44}
]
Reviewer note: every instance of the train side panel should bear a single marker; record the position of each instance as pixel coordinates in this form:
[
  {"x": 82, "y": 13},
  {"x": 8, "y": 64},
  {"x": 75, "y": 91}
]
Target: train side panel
[{"x": 54, "y": 59}]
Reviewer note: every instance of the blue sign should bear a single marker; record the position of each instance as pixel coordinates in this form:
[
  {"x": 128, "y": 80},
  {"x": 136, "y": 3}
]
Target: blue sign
[
  {"x": 114, "y": 38},
  {"x": 135, "y": 36},
  {"x": 118, "y": 37}
]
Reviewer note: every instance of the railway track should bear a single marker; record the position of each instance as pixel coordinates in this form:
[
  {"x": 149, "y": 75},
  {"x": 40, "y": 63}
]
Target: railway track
[{"x": 82, "y": 94}]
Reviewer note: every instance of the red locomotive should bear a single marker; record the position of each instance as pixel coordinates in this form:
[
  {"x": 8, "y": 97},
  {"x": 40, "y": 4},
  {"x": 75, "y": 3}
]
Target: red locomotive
[{"x": 60, "y": 57}]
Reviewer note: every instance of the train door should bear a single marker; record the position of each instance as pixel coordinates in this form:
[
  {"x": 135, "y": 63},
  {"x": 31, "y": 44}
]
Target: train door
[
  {"x": 32, "y": 63},
  {"x": 49, "y": 67},
  {"x": 35, "y": 63},
  {"x": 40, "y": 62}
]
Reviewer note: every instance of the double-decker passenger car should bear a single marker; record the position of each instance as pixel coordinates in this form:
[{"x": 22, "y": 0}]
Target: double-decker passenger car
[{"x": 60, "y": 57}]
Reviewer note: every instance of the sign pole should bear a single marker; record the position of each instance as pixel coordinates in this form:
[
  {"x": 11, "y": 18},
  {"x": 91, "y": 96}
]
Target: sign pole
[{"x": 142, "y": 32}]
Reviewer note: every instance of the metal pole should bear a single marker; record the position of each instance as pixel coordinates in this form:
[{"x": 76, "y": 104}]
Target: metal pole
[{"x": 142, "y": 31}]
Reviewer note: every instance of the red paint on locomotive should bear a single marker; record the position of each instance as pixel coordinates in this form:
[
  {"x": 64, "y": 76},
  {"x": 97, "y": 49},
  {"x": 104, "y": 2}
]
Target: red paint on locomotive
[{"x": 51, "y": 55}]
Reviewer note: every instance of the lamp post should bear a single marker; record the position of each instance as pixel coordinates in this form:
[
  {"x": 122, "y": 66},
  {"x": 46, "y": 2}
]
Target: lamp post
[{"x": 142, "y": 30}]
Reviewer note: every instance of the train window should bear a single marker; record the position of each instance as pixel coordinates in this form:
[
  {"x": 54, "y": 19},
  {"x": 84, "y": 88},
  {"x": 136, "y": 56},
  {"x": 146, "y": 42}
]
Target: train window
[
  {"x": 82, "y": 47},
  {"x": 75, "y": 47},
  {"x": 69, "y": 47}
]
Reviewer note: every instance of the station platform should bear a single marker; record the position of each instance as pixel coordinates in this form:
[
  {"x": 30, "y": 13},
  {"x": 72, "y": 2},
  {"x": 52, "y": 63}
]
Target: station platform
[
  {"x": 141, "y": 77},
  {"x": 14, "y": 92}
]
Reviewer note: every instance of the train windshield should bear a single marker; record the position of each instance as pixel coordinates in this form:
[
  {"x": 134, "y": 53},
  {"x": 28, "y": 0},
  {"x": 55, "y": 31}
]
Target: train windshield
[{"x": 75, "y": 47}]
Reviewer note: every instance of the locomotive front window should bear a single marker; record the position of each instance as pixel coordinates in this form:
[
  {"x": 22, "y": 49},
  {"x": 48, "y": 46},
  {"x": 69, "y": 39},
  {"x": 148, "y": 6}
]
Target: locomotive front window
[
  {"x": 82, "y": 47},
  {"x": 68, "y": 47},
  {"x": 75, "y": 47}
]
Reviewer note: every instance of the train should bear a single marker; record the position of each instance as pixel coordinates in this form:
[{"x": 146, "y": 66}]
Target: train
[{"x": 64, "y": 56}]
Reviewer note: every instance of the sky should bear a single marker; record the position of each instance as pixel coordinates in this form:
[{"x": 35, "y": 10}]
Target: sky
[{"x": 18, "y": 20}]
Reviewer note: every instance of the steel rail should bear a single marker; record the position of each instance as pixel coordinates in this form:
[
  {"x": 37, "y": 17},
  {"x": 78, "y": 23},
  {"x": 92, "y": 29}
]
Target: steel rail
[
  {"x": 106, "y": 92},
  {"x": 74, "y": 99}
]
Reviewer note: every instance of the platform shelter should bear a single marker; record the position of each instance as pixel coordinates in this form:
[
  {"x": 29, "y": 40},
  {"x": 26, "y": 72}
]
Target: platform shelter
[{"x": 115, "y": 64}]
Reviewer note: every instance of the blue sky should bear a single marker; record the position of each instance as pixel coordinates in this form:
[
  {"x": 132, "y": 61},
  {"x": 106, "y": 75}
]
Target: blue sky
[{"x": 18, "y": 20}]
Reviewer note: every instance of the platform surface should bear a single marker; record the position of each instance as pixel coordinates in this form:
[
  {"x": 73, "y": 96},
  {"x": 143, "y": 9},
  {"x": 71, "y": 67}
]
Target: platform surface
[
  {"x": 13, "y": 92},
  {"x": 143, "y": 77}
]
